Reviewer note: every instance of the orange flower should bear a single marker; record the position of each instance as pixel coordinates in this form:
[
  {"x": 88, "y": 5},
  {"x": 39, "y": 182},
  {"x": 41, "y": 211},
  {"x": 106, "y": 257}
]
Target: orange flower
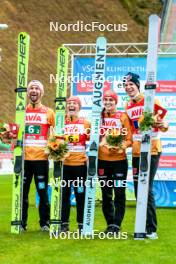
[{"x": 54, "y": 145}]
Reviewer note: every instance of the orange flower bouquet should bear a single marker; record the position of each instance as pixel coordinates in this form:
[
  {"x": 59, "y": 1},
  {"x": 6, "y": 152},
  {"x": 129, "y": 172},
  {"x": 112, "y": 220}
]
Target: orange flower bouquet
[
  {"x": 57, "y": 148},
  {"x": 113, "y": 140}
]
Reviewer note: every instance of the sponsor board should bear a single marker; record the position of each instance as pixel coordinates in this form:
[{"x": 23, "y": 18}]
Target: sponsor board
[
  {"x": 165, "y": 175},
  {"x": 86, "y": 101},
  {"x": 169, "y": 146},
  {"x": 87, "y": 86},
  {"x": 166, "y": 87},
  {"x": 86, "y": 114},
  {"x": 167, "y": 162},
  {"x": 118, "y": 87},
  {"x": 171, "y": 117},
  {"x": 6, "y": 155},
  {"x": 171, "y": 133},
  {"x": 168, "y": 101}
]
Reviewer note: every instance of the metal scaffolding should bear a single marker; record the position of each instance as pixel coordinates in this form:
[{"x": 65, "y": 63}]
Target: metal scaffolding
[{"x": 121, "y": 49}]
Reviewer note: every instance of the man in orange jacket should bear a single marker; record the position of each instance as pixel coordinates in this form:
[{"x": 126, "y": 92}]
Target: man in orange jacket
[
  {"x": 134, "y": 110},
  {"x": 39, "y": 118}
]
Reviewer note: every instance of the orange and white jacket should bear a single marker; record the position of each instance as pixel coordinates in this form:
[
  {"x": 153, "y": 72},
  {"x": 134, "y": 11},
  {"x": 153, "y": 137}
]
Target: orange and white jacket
[
  {"x": 76, "y": 134},
  {"x": 134, "y": 110},
  {"x": 37, "y": 124},
  {"x": 120, "y": 121}
]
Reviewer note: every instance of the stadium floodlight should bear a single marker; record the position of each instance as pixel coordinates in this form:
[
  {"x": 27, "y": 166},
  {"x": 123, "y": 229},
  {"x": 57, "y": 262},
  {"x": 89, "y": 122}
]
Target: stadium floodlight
[{"x": 3, "y": 26}]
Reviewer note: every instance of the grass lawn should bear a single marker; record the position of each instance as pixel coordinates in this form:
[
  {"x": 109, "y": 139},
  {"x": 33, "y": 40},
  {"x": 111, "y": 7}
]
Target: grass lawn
[{"x": 35, "y": 247}]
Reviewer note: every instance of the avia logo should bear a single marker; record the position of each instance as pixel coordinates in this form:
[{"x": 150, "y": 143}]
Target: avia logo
[
  {"x": 110, "y": 123},
  {"x": 33, "y": 117},
  {"x": 72, "y": 129},
  {"x": 137, "y": 112}
]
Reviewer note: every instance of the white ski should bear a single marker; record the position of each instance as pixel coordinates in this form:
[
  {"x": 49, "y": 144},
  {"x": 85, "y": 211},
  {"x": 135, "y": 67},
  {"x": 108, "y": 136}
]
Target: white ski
[{"x": 145, "y": 157}]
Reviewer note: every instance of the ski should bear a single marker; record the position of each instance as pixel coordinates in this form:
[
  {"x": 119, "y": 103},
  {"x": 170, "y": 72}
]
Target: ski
[
  {"x": 145, "y": 157},
  {"x": 60, "y": 107},
  {"x": 21, "y": 91},
  {"x": 89, "y": 207}
]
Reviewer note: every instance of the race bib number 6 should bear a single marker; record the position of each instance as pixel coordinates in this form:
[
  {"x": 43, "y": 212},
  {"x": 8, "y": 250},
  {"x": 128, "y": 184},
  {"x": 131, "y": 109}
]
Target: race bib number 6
[
  {"x": 31, "y": 129},
  {"x": 72, "y": 138}
]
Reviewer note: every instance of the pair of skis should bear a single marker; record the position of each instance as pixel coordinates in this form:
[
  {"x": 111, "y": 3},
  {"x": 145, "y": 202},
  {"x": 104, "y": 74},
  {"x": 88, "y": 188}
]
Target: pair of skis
[{"x": 60, "y": 103}]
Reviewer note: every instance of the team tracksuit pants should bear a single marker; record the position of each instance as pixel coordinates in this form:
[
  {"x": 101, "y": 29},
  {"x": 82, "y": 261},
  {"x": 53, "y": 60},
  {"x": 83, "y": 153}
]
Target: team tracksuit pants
[
  {"x": 114, "y": 172},
  {"x": 39, "y": 169}
]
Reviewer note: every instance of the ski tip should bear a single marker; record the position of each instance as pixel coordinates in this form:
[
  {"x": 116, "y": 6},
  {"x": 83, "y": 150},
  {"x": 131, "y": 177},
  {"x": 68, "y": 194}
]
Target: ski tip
[
  {"x": 154, "y": 17},
  {"x": 62, "y": 49},
  {"x": 101, "y": 40},
  {"x": 23, "y": 35}
]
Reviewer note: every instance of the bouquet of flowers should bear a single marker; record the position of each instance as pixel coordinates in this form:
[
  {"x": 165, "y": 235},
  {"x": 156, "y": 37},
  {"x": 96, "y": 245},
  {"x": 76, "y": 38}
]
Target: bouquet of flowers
[
  {"x": 147, "y": 121},
  {"x": 57, "y": 148},
  {"x": 114, "y": 140},
  {"x": 8, "y": 132}
]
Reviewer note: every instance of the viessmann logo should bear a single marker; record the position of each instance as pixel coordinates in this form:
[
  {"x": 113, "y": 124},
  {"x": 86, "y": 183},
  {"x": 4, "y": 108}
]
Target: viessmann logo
[{"x": 169, "y": 145}]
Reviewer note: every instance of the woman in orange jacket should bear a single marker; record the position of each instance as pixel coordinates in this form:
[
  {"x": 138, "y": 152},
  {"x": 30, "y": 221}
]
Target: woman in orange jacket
[
  {"x": 76, "y": 133},
  {"x": 112, "y": 164}
]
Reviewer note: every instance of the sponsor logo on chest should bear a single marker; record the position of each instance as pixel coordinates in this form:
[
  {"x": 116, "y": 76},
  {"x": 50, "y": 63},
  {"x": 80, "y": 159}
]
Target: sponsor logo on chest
[
  {"x": 135, "y": 112},
  {"x": 111, "y": 122},
  {"x": 36, "y": 118},
  {"x": 74, "y": 128}
]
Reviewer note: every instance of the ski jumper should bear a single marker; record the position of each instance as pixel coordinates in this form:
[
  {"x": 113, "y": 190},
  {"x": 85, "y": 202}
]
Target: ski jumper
[
  {"x": 77, "y": 132},
  {"x": 112, "y": 169},
  {"x": 37, "y": 124},
  {"x": 134, "y": 110}
]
